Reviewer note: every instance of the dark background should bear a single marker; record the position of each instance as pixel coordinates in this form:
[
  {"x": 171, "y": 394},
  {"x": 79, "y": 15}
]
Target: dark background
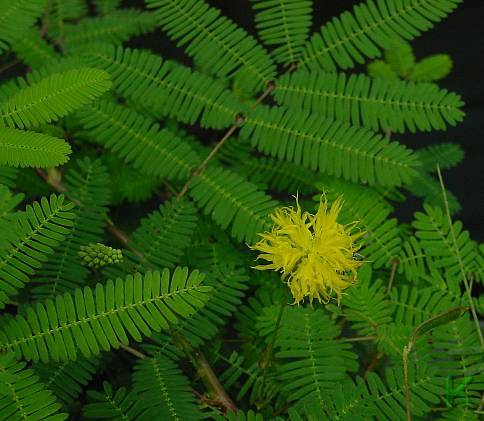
[{"x": 460, "y": 36}]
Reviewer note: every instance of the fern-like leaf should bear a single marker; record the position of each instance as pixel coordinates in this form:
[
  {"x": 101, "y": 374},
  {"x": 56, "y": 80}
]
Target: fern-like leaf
[
  {"x": 165, "y": 89},
  {"x": 446, "y": 155},
  {"x": 352, "y": 37},
  {"x": 104, "y": 7},
  {"x": 22, "y": 394},
  {"x": 434, "y": 232},
  {"x": 20, "y": 148},
  {"x": 33, "y": 50},
  {"x": 161, "y": 238},
  {"x": 89, "y": 321},
  {"x": 67, "y": 379},
  {"x": 332, "y": 147},
  {"x": 53, "y": 97},
  {"x": 163, "y": 391},
  {"x": 310, "y": 361},
  {"x": 231, "y": 200},
  {"x": 213, "y": 40},
  {"x": 114, "y": 28},
  {"x": 119, "y": 405},
  {"x": 16, "y": 18},
  {"x": 28, "y": 238},
  {"x": 378, "y": 104},
  {"x": 374, "y": 399},
  {"x": 138, "y": 140},
  {"x": 285, "y": 25}
]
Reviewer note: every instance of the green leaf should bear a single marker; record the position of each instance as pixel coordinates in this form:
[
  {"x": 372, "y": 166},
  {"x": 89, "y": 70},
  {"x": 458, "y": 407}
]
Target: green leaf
[
  {"x": 53, "y": 97},
  {"x": 29, "y": 149},
  {"x": 90, "y": 320}
]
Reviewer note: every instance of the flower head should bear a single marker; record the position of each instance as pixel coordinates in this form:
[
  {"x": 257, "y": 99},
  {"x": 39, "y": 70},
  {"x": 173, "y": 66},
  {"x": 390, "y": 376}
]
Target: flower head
[{"x": 314, "y": 253}]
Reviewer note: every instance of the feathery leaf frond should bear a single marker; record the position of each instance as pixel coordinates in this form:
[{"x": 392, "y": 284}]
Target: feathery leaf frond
[
  {"x": 231, "y": 200},
  {"x": 115, "y": 28},
  {"x": 331, "y": 147},
  {"x": 86, "y": 321},
  {"x": 350, "y": 38},
  {"x": 67, "y": 379},
  {"x": 53, "y": 97},
  {"x": 20, "y": 148},
  {"x": 284, "y": 24},
  {"x": 445, "y": 155},
  {"x": 16, "y": 18},
  {"x": 213, "y": 40},
  {"x": 138, "y": 140},
  {"x": 28, "y": 238},
  {"x": 165, "y": 89},
  {"x": 119, "y": 405},
  {"x": 22, "y": 394},
  {"x": 377, "y": 104},
  {"x": 310, "y": 362},
  {"x": 163, "y": 391}
]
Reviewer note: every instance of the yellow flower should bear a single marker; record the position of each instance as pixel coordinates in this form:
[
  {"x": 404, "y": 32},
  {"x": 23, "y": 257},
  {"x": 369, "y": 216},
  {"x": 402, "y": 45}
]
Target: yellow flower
[{"x": 314, "y": 253}]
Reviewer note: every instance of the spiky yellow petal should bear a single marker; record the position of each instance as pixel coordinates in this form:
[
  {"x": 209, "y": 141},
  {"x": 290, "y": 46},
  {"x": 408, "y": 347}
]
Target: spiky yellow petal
[{"x": 314, "y": 253}]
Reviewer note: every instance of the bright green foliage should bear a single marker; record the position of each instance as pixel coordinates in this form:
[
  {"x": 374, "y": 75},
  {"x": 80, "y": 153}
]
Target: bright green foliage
[
  {"x": 33, "y": 50},
  {"x": 456, "y": 258},
  {"x": 372, "y": 396},
  {"x": 232, "y": 201},
  {"x": 68, "y": 378},
  {"x": 380, "y": 103},
  {"x": 400, "y": 57},
  {"x": 60, "y": 12},
  {"x": 110, "y": 405},
  {"x": 350, "y": 38},
  {"x": 329, "y": 146},
  {"x": 99, "y": 255},
  {"x": 29, "y": 149},
  {"x": 16, "y": 18},
  {"x": 53, "y": 97},
  {"x": 87, "y": 183},
  {"x": 284, "y": 24},
  {"x": 115, "y": 28},
  {"x": 310, "y": 362},
  {"x": 445, "y": 155},
  {"x": 22, "y": 394},
  {"x": 161, "y": 238},
  {"x": 166, "y": 89},
  {"x": 28, "y": 238},
  {"x": 138, "y": 140},
  {"x": 106, "y": 6},
  {"x": 213, "y": 40},
  {"x": 163, "y": 391},
  {"x": 432, "y": 68},
  {"x": 90, "y": 320},
  {"x": 8, "y": 201},
  {"x": 400, "y": 62}
]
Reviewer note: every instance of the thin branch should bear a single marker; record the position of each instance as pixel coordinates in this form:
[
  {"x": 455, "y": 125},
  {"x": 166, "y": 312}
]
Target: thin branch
[
  {"x": 135, "y": 352},
  {"x": 459, "y": 258},
  {"x": 395, "y": 263},
  {"x": 204, "y": 370},
  {"x": 238, "y": 122},
  {"x": 405, "y": 353},
  {"x": 357, "y": 339}
]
